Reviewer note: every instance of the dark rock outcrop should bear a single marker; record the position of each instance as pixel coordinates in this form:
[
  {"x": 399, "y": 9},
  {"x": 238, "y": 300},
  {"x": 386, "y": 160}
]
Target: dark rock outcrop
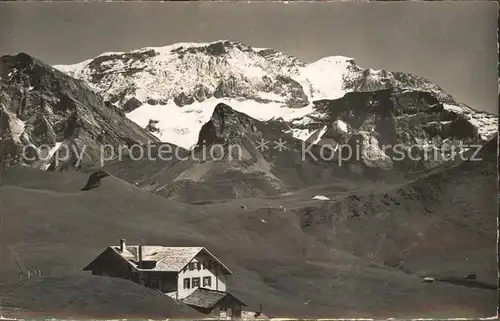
[
  {"x": 182, "y": 99},
  {"x": 237, "y": 156},
  {"x": 151, "y": 126},
  {"x": 131, "y": 104},
  {"x": 94, "y": 180}
]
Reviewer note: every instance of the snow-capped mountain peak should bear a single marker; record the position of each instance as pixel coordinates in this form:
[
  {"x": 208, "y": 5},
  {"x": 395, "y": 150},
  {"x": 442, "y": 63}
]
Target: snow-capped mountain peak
[
  {"x": 172, "y": 90},
  {"x": 186, "y": 72}
]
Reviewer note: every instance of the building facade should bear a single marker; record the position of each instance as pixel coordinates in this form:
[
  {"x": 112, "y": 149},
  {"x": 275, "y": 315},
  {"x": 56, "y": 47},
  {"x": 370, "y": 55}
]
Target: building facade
[
  {"x": 202, "y": 271},
  {"x": 191, "y": 274}
]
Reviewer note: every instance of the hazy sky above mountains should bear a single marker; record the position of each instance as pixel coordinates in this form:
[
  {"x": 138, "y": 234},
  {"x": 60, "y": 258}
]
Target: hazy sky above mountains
[{"x": 453, "y": 44}]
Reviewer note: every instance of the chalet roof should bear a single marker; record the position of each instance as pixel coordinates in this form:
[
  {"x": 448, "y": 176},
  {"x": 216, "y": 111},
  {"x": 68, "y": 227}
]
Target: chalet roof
[
  {"x": 167, "y": 259},
  {"x": 207, "y": 299}
]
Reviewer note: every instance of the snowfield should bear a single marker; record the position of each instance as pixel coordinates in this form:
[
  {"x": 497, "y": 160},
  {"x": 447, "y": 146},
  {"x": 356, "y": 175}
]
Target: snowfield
[{"x": 181, "y": 125}]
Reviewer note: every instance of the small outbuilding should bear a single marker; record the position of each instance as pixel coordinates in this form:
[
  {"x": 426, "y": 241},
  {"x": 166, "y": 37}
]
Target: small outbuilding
[{"x": 216, "y": 303}]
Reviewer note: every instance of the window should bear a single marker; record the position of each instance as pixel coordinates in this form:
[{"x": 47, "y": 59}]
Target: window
[
  {"x": 209, "y": 265},
  {"x": 191, "y": 266},
  {"x": 198, "y": 265},
  {"x": 153, "y": 282},
  {"x": 207, "y": 281},
  {"x": 196, "y": 282},
  {"x": 186, "y": 283}
]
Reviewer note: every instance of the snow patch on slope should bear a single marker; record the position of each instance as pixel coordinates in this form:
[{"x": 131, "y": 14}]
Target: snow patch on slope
[
  {"x": 325, "y": 77},
  {"x": 301, "y": 134},
  {"x": 47, "y": 155},
  {"x": 17, "y": 128},
  {"x": 373, "y": 156},
  {"x": 316, "y": 135},
  {"x": 342, "y": 125},
  {"x": 454, "y": 108},
  {"x": 16, "y": 125},
  {"x": 320, "y": 134},
  {"x": 486, "y": 124},
  {"x": 181, "y": 125}
]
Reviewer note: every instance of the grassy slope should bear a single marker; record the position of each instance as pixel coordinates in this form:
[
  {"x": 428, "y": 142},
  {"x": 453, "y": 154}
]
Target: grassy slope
[{"x": 55, "y": 227}]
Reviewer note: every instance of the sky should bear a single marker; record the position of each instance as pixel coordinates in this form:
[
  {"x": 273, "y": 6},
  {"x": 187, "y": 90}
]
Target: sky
[{"x": 454, "y": 44}]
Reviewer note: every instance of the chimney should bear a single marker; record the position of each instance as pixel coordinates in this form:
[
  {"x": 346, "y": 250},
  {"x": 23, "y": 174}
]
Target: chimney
[
  {"x": 140, "y": 256},
  {"x": 122, "y": 245}
]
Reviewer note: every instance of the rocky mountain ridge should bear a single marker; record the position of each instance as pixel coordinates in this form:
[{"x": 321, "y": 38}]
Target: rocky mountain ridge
[
  {"x": 44, "y": 106},
  {"x": 237, "y": 156},
  {"x": 46, "y": 115},
  {"x": 189, "y": 72},
  {"x": 397, "y": 124}
]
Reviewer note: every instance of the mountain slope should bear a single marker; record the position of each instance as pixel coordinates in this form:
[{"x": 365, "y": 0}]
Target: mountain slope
[
  {"x": 48, "y": 107},
  {"x": 270, "y": 254},
  {"x": 230, "y": 161},
  {"x": 78, "y": 296},
  {"x": 395, "y": 127},
  {"x": 173, "y": 90},
  {"x": 46, "y": 116},
  {"x": 380, "y": 136},
  {"x": 441, "y": 225}
]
